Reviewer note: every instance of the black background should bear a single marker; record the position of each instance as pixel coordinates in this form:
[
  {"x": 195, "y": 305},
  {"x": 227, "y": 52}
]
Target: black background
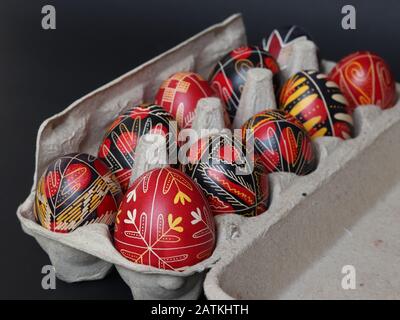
[{"x": 42, "y": 72}]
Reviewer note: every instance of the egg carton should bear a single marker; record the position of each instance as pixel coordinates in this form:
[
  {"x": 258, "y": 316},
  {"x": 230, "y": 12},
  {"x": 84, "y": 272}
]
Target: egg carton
[{"x": 254, "y": 257}]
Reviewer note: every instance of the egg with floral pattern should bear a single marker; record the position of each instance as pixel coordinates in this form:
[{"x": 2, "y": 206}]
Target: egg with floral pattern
[
  {"x": 76, "y": 190},
  {"x": 165, "y": 221}
]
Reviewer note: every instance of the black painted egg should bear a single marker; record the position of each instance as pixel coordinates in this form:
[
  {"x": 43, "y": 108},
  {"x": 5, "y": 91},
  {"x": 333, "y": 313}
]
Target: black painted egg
[
  {"x": 118, "y": 147},
  {"x": 225, "y": 175},
  {"x": 318, "y": 103},
  {"x": 229, "y": 75},
  {"x": 282, "y": 37},
  {"x": 281, "y": 143}
]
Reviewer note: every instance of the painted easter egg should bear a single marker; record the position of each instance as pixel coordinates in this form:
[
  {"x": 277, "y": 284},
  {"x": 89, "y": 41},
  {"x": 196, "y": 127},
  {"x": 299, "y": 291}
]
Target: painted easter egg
[
  {"x": 75, "y": 190},
  {"x": 282, "y": 37},
  {"x": 229, "y": 75},
  {"x": 365, "y": 78},
  {"x": 318, "y": 104},
  {"x": 118, "y": 147},
  {"x": 220, "y": 167},
  {"x": 179, "y": 95},
  {"x": 281, "y": 143},
  {"x": 165, "y": 221}
]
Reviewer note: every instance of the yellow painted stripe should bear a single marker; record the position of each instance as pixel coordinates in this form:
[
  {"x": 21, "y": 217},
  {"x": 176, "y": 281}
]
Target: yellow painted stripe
[
  {"x": 311, "y": 123},
  {"x": 299, "y": 81},
  {"x": 320, "y": 133},
  {"x": 296, "y": 94},
  {"x": 301, "y": 105}
]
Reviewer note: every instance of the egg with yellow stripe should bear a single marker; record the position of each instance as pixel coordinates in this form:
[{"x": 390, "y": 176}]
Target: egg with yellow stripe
[
  {"x": 75, "y": 190},
  {"x": 318, "y": 103}
]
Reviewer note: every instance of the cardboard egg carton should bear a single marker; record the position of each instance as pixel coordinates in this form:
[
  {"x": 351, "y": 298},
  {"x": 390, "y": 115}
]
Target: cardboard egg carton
[{"x": 260, "y": 257}]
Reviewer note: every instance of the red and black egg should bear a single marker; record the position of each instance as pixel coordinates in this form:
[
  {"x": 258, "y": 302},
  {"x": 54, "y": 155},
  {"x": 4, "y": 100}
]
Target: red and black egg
[
  {"x": 75, "y": 190},
  {"x": 225, "y": 173},
  {"x": 118, "y": 147},
  {"x": 281, "y": 143},
  {"x": 282, "y": 37},
  {"x": 318, "y": 103},
  {"x": 229, "y": 75}
]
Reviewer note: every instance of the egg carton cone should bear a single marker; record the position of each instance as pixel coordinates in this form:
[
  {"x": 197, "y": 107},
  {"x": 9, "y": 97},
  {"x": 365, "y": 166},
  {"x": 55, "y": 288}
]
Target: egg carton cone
[
  {"x": 343, "y": 214},
  {"x": 297, "y": 56},
  {"x": 257, "y": 95},
  {"x": 209, "y": 117}
]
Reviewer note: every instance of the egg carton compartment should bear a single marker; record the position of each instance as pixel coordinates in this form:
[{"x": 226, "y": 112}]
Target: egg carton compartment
[
  {"x": 301, "y": 223},
  {"x": 344, "y": 213}
]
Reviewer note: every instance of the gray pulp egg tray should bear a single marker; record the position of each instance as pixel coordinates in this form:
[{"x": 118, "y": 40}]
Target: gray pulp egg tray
[{"x": 344, "y": 213}]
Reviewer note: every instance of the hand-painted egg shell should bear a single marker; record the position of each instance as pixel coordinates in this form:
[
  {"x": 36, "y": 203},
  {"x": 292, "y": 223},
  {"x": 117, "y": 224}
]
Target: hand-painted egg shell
[
  {"x": 118, "y": 147},
  {"x": 215, "y": 163},
  {"x": 282, "y": 37},
  {"x": 75, "y": 190},
  {"x": 165, "y": 221},
  {"x": 281, "y": 143},
  {"x": 179, "y": 95},
  {"x": 318, "y": 104},
  {"x": 365, "y": 78},
  {"x": 229, "y": 75}
]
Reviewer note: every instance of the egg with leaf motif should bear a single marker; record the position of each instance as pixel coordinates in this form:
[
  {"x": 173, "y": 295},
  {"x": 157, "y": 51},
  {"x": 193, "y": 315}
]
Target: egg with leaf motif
[
  {"x": 281, "y": 143},
  {"x": 75, "y": 190},
  {"x": 165, "y": 221}
]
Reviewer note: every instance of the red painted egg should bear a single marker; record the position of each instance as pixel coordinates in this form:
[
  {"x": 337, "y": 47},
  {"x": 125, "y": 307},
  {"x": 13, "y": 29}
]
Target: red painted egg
[
  {"x": 227, "y": 177},
  {"x": 118, "y": 147},
  {"x": 179, "y": 95},
  {"x": 365, "y": 78},
  {"x": 75, "y": 190},
  {"x": 318, "y": 104},
  {"x": 165, "y": 221},
  {"x": 281, "y": 143}
]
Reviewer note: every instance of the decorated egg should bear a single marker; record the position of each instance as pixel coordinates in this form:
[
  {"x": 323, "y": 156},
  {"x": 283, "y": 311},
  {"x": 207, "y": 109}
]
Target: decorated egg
[
  {"x": 318, "y": 104},
  {"x": 229, "y": 75},
  {"x": 365, "y": 78},
  {"x": 75, "y": 190},
  {"x": 118, "y": 147},
  {"x": 179, "y": 95},
  {"x": 165, "y": 221},
  {"x": 281, "y": 143},
  {"x": 220, "y": 167},
  {"x": 282, "y": 37}
]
